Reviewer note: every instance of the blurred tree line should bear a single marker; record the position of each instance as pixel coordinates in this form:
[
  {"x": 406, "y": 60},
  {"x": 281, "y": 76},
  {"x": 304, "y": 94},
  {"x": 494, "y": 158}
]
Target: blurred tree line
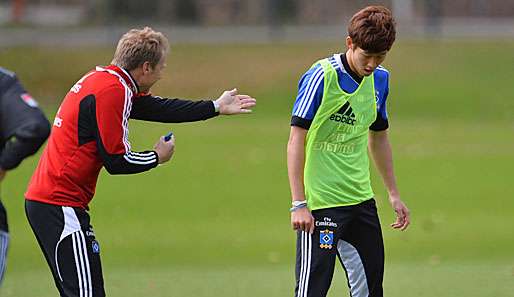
[
  {"x": 202, "y": 12},
  {"x": 249, "y": 12}
]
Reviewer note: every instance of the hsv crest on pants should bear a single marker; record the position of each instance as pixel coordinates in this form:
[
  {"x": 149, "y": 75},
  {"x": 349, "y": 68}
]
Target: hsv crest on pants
[{"x": 326, "y": 239}]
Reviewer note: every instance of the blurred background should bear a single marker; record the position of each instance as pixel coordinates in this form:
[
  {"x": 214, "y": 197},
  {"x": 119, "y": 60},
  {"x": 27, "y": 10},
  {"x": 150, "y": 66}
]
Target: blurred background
[
  {"x": 101, "y": 22},
  {"x": 215, "y": 220}
]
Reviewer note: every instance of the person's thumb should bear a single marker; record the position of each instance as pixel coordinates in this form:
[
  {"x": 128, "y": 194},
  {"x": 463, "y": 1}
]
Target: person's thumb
[{"x": 233, "y": 92}]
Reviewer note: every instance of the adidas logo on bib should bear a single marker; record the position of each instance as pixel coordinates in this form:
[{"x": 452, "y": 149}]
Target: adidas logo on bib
[{"x": 344, "y": 115}]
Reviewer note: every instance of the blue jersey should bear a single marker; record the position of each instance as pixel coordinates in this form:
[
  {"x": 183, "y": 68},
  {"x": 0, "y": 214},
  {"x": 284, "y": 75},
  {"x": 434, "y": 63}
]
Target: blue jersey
[{"x": 310, "y": 92}]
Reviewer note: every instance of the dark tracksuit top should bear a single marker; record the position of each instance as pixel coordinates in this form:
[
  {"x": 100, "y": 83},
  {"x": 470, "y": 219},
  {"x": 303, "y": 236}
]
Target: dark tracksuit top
[
  {"x": 23, "y": 126},
  {"x": 90, "y": 131}
]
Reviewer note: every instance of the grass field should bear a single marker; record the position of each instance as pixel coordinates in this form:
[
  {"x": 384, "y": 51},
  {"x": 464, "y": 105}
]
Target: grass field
[{"x": 214, "y": 221}]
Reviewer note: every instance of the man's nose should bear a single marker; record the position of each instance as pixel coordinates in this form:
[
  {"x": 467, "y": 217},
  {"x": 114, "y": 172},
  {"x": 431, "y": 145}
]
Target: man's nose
[{"x": 373, "y": 62}]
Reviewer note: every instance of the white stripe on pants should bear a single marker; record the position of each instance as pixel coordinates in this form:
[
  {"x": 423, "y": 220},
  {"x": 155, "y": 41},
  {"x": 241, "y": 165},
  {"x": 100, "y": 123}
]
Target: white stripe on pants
[{"x": 306, "y": 248}]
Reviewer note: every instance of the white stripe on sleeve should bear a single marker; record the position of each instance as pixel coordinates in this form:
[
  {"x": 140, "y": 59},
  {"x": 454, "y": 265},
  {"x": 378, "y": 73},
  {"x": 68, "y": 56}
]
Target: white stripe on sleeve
[
  {"x": 303, "y": 104},
  {"x": 312, "y": 92}
]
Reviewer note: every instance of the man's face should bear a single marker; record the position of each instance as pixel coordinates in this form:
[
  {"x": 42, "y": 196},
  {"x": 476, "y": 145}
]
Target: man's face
[
  {"x": 152, "y": 74},
  {"x": 363, "y": 62}
]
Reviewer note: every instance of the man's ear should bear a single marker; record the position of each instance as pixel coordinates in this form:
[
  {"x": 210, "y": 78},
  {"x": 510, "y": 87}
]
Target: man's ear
[
  {"x": 147, "y": 67},
  {"x": 349, "y": 43}
]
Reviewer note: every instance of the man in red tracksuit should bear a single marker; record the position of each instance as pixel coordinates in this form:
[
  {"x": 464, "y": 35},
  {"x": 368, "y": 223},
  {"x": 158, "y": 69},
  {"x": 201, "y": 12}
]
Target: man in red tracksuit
[{"x": 90, "y": 131}]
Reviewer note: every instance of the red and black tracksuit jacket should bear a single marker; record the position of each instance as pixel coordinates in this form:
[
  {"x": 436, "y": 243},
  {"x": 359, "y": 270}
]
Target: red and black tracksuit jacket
[{"x": 90, "y": 131}]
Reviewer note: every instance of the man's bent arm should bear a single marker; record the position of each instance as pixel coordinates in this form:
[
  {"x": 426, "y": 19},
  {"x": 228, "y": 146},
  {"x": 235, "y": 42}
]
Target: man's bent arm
[
  {"x": 111, "y": 125},
  {"x": 157, "y": 109}
]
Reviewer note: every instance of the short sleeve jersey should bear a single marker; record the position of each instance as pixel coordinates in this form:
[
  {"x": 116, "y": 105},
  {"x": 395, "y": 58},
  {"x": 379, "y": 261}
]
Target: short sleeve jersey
[{"x": 310, "y": 92}]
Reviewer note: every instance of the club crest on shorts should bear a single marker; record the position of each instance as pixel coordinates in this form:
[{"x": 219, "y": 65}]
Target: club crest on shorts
[
  {"x": 326, "y": 239},
  {"x": 96, "y": 247}
]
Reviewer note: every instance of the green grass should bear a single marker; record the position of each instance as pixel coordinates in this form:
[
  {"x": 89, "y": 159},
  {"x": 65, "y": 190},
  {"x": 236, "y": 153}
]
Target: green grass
[
  {"x": 214, "y": 221},
  {"x": 422, "y": 279}
]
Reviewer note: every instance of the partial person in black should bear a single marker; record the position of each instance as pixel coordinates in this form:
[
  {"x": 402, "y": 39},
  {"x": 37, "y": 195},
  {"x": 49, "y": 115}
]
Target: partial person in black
[{"x": 23, "y": 129}]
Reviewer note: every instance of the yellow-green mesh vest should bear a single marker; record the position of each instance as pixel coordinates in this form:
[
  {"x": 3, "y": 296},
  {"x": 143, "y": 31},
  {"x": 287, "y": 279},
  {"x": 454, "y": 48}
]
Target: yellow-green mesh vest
[{"x": 336, "y": 169}]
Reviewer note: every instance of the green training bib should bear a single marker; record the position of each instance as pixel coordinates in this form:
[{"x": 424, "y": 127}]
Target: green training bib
[{"x": 336, "y": 169}]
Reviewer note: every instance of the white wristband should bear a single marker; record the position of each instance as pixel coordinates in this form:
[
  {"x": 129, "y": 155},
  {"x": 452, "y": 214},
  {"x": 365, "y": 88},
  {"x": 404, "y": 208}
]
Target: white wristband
[{"x": 296, "y": 203}]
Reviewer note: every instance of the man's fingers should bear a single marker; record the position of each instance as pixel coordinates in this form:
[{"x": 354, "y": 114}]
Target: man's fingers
[
  {"x": 405, "y": 225},
  {"x": 243, "y": 97},
  {"x": 397, "y": 224},
  {"x": 294, "y": 224},
  {"x": 406, "y": 222},
  {"x": 307, "y": 227},
  {"x": 248, "y": 100},
  {"x": 302, "y": 226},
  {"x": 402, "y": 219},
  {"x": 401, "y": 214},
  {"x": 247, "y": 105},
  {"x": 311, "y": 227}
]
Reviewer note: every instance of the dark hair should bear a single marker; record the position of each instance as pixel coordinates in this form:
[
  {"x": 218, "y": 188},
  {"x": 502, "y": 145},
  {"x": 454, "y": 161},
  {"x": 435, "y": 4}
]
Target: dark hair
[{"x": 373, "y": 29}]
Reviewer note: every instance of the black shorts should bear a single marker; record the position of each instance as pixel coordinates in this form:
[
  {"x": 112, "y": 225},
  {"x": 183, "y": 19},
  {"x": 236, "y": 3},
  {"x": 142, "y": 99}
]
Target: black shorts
[
  {"x": 69, "y": 246},
  {"x": 353, "y": 234}
]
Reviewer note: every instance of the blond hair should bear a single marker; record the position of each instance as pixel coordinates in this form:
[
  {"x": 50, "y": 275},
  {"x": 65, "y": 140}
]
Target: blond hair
[{"x": 138, "y": 46}]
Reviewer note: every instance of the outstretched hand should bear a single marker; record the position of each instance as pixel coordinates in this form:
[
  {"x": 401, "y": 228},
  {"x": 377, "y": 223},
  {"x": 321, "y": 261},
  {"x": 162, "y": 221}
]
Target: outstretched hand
[{"x": 230, "y": 102}]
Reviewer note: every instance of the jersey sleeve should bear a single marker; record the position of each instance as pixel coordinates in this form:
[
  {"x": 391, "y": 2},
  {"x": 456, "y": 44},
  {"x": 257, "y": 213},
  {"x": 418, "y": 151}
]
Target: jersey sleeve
[
  {"x": 157, "y": 109},
  {"x": 308, "y": 100},
  {"x": 24, "y": 126},
  {"x": 382, "y": 122},
  {"x": 112, "y": 115}
]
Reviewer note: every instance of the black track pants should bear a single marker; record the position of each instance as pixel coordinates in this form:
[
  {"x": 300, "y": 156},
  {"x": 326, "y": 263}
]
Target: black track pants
[
  {"x": 350, "y": 233},
  {"x": 68, "y": 243}
]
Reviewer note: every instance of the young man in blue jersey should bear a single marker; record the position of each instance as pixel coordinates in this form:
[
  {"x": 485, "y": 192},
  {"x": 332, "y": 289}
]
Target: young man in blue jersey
[{"x": 339, "y": 113}]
